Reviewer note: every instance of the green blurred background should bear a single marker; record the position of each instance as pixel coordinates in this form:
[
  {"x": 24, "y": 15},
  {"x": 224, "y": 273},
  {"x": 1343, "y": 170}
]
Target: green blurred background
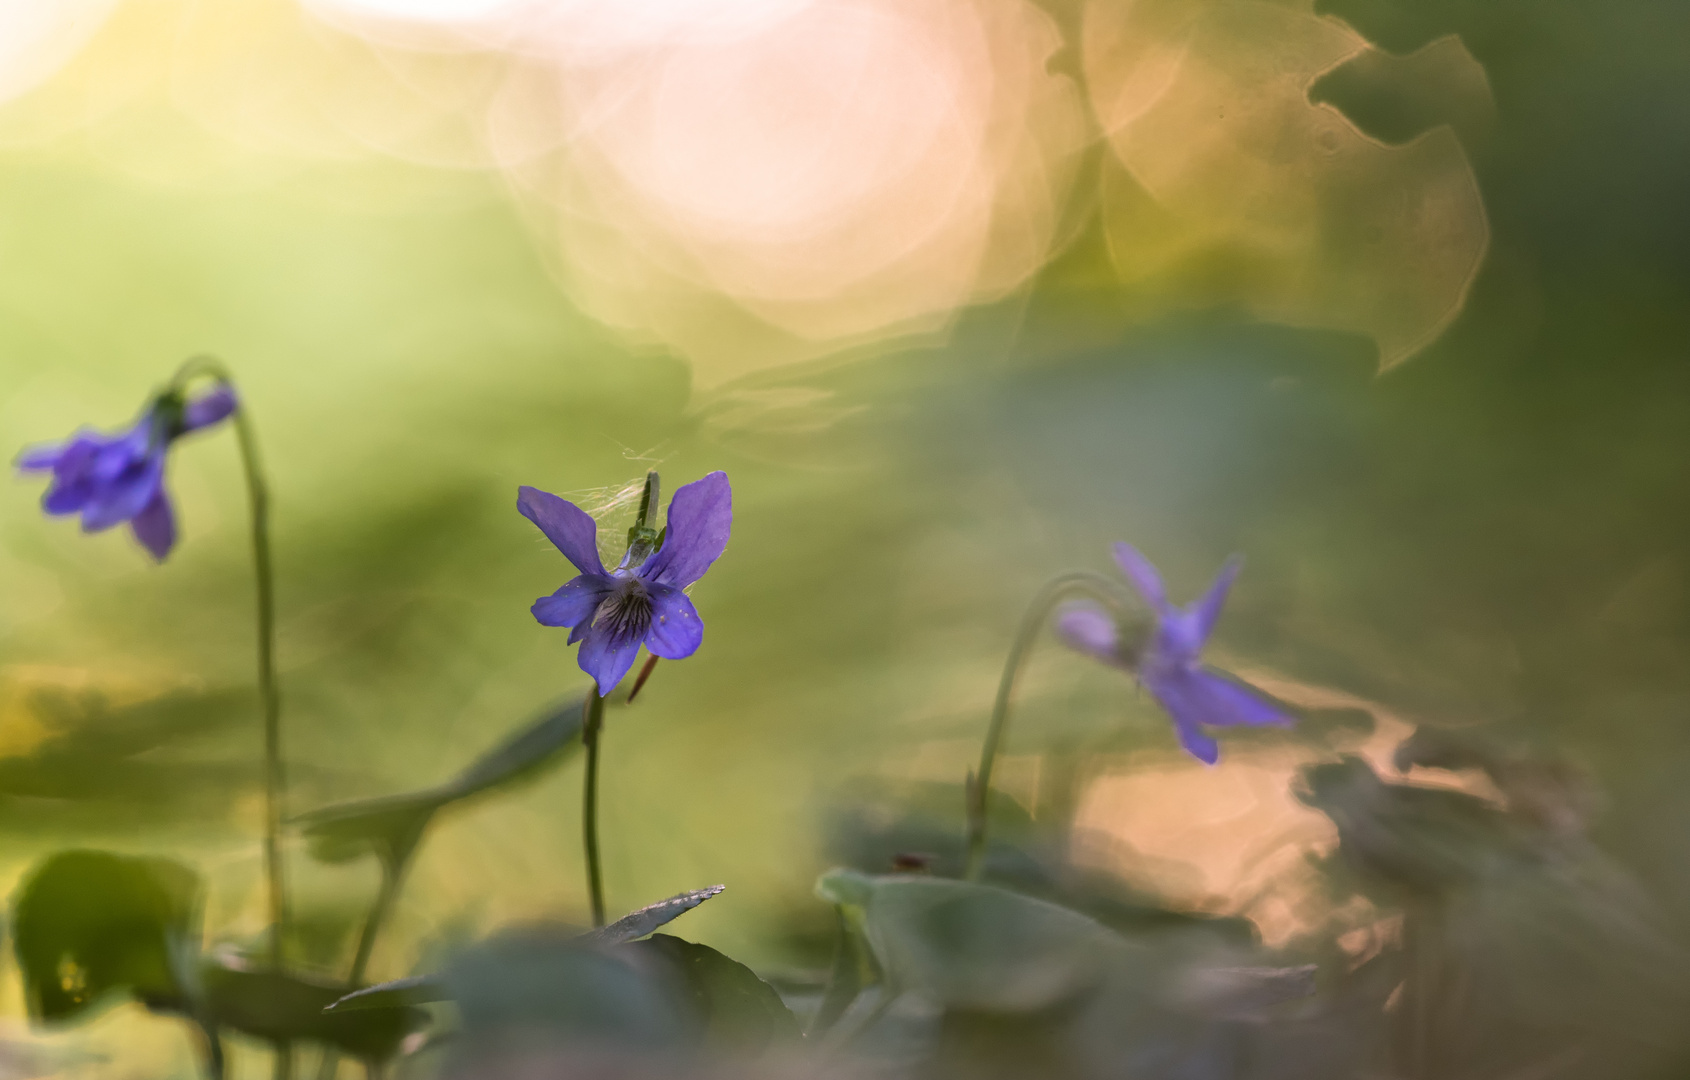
[{"x": 1492, "y": 531}]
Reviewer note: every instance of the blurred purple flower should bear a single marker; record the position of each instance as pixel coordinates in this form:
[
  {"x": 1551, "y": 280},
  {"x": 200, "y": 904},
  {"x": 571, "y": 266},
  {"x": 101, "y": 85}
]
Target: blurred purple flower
[
  {"x": 114, "y": 478},
  {"x": 1169, "y": 664},
  {"x": 615, "y": 612}
]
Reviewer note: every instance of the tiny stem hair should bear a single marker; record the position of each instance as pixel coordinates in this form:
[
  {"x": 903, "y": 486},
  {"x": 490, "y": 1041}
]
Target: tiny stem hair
[{"x": 1044, "y": 601}]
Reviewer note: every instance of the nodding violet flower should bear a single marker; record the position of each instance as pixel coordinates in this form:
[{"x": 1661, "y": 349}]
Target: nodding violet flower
[
  {"x": 614, "y": 612},
  {"x": 120, "y": 477},
  {"x": 1169, "y": 663}
]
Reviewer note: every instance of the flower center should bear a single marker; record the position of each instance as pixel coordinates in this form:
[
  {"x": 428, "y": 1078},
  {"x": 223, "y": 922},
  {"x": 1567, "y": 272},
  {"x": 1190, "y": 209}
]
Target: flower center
[{"x": 625, "y": 613}]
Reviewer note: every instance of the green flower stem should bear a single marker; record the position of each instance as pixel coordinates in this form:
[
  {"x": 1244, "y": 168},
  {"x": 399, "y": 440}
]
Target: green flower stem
[
  {"x": 258, "y": 497},
  {"x": 1044, "y": 601},
  {"x": 392, "y": 874},
  {"x": 591, "y": 728}
]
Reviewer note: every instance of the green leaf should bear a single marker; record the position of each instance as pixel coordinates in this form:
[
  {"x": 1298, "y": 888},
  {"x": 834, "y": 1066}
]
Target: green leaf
[
  {"x": 391, "y": 826},
  {"x": 639, "y": 923},
  {"x": 281, "y": 1007},
  {"x": 417, "y": 990},
  {"x": 738, "y": 1010},
  {"x": 974, "y": 946},
  {"x": 542, "y": 982},
  {"x": 524, "y": 753},
  {"x": 87, "y": 924}
]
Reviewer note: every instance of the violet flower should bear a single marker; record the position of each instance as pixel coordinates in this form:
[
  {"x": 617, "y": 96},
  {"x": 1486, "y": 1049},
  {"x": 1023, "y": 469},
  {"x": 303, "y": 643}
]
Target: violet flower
[
  {"x": 1169, "y": 663},
  {"x": 120, "y": 477},
  {"x": 613, "y": 613}
]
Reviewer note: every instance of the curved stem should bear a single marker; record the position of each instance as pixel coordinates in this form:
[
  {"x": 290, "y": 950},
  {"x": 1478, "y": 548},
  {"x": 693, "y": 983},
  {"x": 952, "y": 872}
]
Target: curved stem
[
  {"x": 258, "y": 498},
  {"x": 591, "y": 728},
  {"x": 980, "y": 783}
]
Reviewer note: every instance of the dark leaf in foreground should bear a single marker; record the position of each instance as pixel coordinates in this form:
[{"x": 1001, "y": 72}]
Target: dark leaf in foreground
[
  {"x": 280, "y": 1007},
  {"x": 637, "y": 924},
  {"x": 541, "y": 983},
  {"x": 87, "y": 924},
  {"x": 390, "y": 826},
  {"x": 417, "y": 990},
  {"x": 738, "y": 1010},
  {"x": 974, "y": 946}
]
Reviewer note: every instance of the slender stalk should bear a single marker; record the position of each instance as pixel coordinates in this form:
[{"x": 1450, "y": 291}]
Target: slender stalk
[
  {"x": 392, "y": 873},
  {"x": 258, "y": 498},
  {"x": 274, "y": 778},
  {"x": 1044, "y": 601},
  {"x": 591, "y": 728}
]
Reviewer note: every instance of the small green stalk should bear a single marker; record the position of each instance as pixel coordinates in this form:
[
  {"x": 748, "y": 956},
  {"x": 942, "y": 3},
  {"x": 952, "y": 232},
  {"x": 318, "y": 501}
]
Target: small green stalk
[
  {"x": 258, "y": 498},
  {"x": 591, "y": 728},
  {"x": 1044, "y": 601}
]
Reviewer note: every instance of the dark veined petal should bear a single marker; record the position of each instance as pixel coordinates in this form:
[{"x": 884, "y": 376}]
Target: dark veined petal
[
  {"x": 125, "y": 495},
  {"x": 695, "y": 533},
  {"x": 1206, "y": 611},
  {"x": 607, "y": 656},
  {"x": 1174, "y": 692},
  {"x": 1143, "y": 576},
  {"x": 1089, "y": 629},
  {"x": 574, "y": 604},
  {"x": 676, "y": 630},
  {"x": 155, "y": 526},
  {"x": 209, "y": 408},
  {"x": 1221, "y": 701},
  {"x": 568, "y": 526},
  {"x": 117, "y": 459}
]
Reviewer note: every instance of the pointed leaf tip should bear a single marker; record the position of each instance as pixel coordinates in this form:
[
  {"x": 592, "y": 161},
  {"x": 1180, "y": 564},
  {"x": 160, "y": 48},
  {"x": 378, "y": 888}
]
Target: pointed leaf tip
[{"x": 638, "y": 924}]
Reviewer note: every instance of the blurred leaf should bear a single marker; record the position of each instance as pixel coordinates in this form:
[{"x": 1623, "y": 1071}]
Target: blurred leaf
[
  {"x": 280, "y": 1007},
  {"x": 541, "y": 982},
  {"x": 90, "y": 923},
  {"x": 738, "y": 1010},
  {"x": 974, "y": 946},
  {"x": 417, "y": 990},
  {"x": 1408, "y": 839},
  {"x": 845, "y": 981},
  {"x": 523, "y": 753},
  {"x": 390, "y": 826},
  {"x": 639, "y": 923},
  {"x": 636, "y": 924},
  {"x": 98, "y": 756}
]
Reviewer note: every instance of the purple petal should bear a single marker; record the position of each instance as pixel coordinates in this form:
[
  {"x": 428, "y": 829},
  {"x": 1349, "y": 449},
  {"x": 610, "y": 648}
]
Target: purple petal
[
  {"x": 66, "y": 497},
  {"x": 209, "y": 408},
  {"x": 41, "y": 458},
  {"x": 676, "y": 630},
  {"x": 1196, "y": 743},
  {"x": 574, "y": 604},
  {"x": 1143, "y": 576},
  {"x": 1090, "y": 630},
  {"x": 1205, "y": 611},
  {"x": 696, "y": 531},
  {"x": 1175, "y": 692},
  {"x": 568, "y": 526},
  {"x": 155, "y": 526},
  {"x": 1224, "y": 702},
  {"x": 126, "y": 495},
  {"x": 607, "y": 657}
]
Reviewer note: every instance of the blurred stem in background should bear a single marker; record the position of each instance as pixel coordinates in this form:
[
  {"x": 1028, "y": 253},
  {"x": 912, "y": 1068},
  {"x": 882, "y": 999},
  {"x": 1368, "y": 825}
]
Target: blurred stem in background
[
  {"x": 258, "y": 497},
  {"x": 591, "y": 726},
  {"x": 1044, "y": 602}
]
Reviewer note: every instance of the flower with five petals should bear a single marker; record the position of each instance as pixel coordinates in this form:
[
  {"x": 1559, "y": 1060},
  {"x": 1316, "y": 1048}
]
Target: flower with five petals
[{"x": 612, "y": 613}]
